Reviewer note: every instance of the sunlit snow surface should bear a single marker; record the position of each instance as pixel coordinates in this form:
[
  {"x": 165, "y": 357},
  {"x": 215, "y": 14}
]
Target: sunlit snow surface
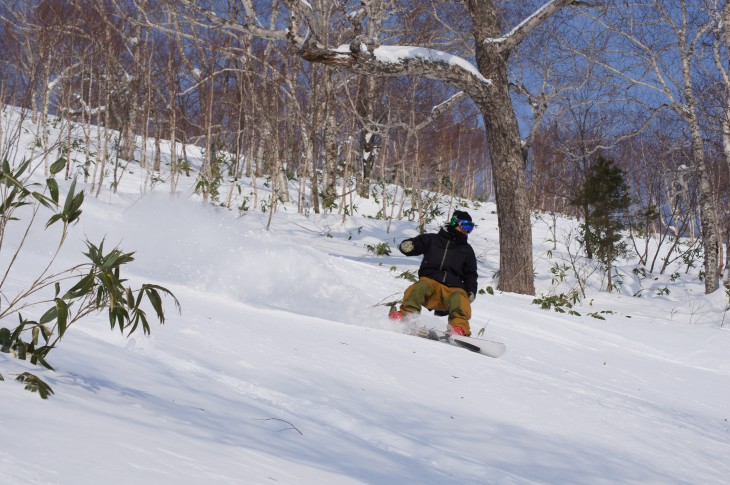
[{"x": 282, "y": 369}]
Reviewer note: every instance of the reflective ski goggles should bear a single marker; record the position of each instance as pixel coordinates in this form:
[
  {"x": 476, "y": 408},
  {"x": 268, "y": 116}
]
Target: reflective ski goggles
[{"x": 467, "y": 226}]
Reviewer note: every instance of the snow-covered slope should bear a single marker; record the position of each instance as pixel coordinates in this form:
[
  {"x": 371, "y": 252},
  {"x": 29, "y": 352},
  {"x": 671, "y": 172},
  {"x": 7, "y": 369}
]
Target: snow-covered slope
[{"x": 282, "y": 369}]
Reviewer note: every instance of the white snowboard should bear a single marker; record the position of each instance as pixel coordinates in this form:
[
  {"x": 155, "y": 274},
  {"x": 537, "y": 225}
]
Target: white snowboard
[
  {"x": 479, "y": 345},
  {"x": 483, "y": 346}
]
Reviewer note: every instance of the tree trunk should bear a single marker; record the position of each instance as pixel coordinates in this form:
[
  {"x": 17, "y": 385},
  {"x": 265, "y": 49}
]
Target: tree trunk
[
  {"x": 368, "y": 137},
  {"x": 513, "y": 210},
  {"x": 709, "y": 222},
  {"x": 129, "y": 130},
  {"x": 708, "y": 213},
  {"x": 503, "y": 139}
]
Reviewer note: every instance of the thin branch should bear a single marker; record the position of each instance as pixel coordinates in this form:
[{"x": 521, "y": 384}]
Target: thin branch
[{"x": 291, "y": 426}]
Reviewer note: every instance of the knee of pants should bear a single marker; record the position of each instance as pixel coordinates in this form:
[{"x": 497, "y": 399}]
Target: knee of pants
[
  {"x": 459, "y": 306},
  {"x": 420, "y": 288},
  {"x": 417, "y": 294}
]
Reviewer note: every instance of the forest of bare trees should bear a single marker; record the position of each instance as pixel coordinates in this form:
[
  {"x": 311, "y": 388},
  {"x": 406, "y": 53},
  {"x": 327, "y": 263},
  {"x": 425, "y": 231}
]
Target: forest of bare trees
[{"x": 299, "y": 91}]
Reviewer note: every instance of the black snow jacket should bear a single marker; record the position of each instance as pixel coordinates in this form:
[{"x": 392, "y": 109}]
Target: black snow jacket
[{"x": 447, "y": 258}]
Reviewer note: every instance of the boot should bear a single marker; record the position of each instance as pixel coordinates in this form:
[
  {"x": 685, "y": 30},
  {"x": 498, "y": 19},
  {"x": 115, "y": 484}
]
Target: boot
[{"x": 456, "y": 331}]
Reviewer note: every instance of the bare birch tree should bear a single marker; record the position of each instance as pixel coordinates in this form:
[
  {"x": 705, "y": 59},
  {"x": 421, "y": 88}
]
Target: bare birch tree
[
  {"x": 655, "y": 49},
  {"x": 723, "y": 65}
]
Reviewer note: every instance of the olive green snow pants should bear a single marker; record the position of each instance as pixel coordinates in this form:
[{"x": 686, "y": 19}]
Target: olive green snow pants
[{"x": 435, "y": 296}]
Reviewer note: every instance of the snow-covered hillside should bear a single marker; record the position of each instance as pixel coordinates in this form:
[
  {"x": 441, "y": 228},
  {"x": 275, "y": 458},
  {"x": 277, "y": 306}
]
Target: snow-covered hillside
[{"x": 283, "y": 369}]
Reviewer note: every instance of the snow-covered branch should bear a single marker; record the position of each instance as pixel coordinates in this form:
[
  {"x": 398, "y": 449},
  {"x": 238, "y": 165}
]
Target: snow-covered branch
[
  {"x": 399, "y": 61},
  {"x": 523, "y": 29}
]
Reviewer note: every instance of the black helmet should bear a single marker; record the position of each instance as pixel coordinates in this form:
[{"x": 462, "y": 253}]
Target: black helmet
[
  {"x": 459, "y": 216},
  {"x": 462, "y": 220}
]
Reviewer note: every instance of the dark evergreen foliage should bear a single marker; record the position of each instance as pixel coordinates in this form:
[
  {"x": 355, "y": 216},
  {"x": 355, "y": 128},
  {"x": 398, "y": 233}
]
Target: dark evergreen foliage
[{"x": 603, "y": 198}]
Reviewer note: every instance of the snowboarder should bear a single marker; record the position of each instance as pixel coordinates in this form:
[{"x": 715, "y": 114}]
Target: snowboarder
[{"x": 447, "y": 281}]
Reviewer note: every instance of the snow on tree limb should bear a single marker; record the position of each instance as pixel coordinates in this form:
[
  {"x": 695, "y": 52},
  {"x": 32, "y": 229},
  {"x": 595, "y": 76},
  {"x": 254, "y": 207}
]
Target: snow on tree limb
[
  {"x": 400, "y": 54},
  {"x": 523, "y": 29},
  {"x": 398, "y": 61}
]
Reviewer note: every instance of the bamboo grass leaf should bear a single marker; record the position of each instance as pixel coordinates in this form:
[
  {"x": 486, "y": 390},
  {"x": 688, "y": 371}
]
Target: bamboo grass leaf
[
  {"x": 34, "y": 384},
  {"x": 53, "y": 189},
  {"x": 58, "y": 165}
]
